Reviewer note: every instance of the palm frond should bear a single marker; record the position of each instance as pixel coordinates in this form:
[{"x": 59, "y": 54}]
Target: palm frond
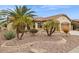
[{"x": 22, "y": 14}]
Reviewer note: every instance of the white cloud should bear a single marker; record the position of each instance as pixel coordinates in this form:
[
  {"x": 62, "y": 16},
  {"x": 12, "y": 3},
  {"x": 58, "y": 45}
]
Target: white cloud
[{"x": 54, "y": 7}]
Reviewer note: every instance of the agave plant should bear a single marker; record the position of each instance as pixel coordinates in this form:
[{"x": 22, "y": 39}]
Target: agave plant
[{"x": 9, "y": 35}]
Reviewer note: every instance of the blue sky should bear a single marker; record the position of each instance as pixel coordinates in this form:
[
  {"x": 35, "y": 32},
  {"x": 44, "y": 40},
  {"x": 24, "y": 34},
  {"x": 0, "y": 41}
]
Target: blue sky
[{"x": 49, "y": 10}]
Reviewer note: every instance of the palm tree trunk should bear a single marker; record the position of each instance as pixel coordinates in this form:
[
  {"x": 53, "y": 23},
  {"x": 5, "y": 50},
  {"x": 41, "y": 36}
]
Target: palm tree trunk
[
  {"x": 20, "y": 30},
  {"x": 21, "y": 35},
  {"x": 28, "y": 27},
  {"x": 17, "y": 32}
]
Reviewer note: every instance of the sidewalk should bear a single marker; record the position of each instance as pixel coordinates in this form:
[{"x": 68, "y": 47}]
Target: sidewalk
[
  {"x": 75, "y": 50},
  {"x": 74, "y": 32}
]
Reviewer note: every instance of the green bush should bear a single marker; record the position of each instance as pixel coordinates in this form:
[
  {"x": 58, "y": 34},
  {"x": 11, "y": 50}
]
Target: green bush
[
  {"x": 33, "y": 31},
  {"x": 9, "y": 35}
]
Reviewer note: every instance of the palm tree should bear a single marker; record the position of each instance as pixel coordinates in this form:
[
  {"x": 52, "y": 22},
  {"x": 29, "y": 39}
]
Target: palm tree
[
  {"x": 21, "y": 17},
  {"x": 3, "y": 18},
  {"x": 3, "y": 14},
  {"x": 50, "y": 26}
]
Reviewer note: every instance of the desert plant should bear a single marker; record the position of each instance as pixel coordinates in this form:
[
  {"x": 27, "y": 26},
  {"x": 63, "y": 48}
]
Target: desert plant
[
  {"x": 9, "y": 35},
  {"x": 50, "y": 27},
  {"x": 33, "y": 31},
  {"x": 21, "y": 17}
]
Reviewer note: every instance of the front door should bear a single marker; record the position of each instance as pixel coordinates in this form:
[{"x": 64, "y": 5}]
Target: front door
[{"x": 65, "y": 27}]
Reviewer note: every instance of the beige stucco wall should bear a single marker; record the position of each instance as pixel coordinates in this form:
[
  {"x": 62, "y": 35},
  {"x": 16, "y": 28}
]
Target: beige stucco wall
[
  {"x": 63, "y": 19},
  {"x": 36, "y": 25},
  {"x": 10, "y": 27}
]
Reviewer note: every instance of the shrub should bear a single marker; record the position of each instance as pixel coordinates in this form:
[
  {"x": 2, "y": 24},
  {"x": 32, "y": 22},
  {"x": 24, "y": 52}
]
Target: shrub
[
  {"x": 9, "y": 35},
  {"x": 33, "y": 31}
]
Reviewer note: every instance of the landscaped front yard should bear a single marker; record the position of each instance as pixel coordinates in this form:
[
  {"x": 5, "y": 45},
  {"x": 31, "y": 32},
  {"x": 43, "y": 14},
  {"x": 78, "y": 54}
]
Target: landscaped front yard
[
  {"x": 40, "y": 42},
  {"x": 20, "y": 32}
]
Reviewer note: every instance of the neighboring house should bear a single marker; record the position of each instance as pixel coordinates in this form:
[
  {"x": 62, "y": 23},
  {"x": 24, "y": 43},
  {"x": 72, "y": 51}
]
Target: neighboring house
[
  {"x": 62, "y": 20},
  {"x": 75, "y": 24}
]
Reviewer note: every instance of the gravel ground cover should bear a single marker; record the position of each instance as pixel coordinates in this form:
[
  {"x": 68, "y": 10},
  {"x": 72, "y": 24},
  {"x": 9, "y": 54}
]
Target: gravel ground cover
[{"x": 40, "y": 41}]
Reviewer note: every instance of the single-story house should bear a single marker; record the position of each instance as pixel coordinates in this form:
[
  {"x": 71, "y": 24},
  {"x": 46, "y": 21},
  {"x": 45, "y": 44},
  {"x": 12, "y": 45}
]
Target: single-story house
[
  {"x": 63, "y": 20},
  {"x": 75, "y": 24}
]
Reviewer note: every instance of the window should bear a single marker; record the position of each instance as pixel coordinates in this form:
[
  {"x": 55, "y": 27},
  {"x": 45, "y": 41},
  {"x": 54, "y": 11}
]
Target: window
[{"x": 39, "y": 24}]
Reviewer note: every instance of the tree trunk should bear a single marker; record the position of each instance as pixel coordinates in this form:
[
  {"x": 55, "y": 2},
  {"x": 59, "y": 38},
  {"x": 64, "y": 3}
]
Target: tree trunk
[
  {"x": 21, "y": 36},
  {"x": 49, "y": 32},
  {"x": 52, "y": 31},
  {"x": 28, "y": 27},
  {"x": 20, "y": 30},
  {"x": 17, "y": 32}
]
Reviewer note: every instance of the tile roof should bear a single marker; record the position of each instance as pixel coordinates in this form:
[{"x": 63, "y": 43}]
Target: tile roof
[{"x": 50, "y": 17}]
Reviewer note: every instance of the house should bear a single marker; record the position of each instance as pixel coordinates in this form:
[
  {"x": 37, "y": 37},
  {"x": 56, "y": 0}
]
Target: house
[
  {"x": 75, "y": 24},
  {"x": 62, "y": 19}
]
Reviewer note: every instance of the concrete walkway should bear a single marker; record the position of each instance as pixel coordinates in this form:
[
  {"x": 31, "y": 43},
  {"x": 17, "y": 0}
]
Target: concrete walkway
[
  {"x": 75, "y": 50},
  {"x": 74, "y": 32}
]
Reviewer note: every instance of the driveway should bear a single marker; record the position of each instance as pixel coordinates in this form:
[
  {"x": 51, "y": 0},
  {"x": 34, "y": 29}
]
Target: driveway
[
  {"x": 74, "y": 32},
  {"x": 75, "y": 50}
]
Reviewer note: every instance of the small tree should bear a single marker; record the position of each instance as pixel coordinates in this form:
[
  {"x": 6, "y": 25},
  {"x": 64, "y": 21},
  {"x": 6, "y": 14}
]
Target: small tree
[
  {"x": 21, "y": 17},
  {"x": 50, "y": 27}
]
